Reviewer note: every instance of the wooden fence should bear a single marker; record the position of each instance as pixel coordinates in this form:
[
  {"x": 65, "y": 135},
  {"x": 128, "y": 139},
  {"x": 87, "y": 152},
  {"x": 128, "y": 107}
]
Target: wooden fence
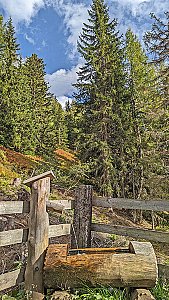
[{"x": 40, "y": 231}]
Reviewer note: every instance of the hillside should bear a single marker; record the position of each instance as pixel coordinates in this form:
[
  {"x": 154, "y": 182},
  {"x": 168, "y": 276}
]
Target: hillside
[{"x": 15, "y": 167}]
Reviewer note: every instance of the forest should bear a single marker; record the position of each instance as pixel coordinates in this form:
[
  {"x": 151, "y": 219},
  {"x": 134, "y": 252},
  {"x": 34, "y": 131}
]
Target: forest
[{"x": 116, "y": 124}]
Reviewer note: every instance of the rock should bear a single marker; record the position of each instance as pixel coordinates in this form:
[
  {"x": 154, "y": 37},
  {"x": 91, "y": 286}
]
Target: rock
[
  {"x": 17, "y": 182},
  {"x": 61, "y": 295},
  {"x": 142, "y": 294}
]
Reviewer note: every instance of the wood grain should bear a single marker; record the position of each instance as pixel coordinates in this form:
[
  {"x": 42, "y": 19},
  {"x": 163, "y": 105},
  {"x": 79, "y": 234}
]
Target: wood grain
[
  {"x": 38, "y": 238},
  {"x": 119, "y": 203},
  {"x": 14, "y": 207},
  {"x": 138, "y": 233},
  {"x": 59, "y": 230},
  {"x": 81, "y": 227},
  {"x": 11, "y": 237},
  {"x": 33, "y": 179},
  {"x": 10, "y": 279},
  {"x": 98, "y": 269}
]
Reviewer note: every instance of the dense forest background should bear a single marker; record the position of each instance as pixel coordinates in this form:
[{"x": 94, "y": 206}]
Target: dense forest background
[{"x": 116, "y": 127}]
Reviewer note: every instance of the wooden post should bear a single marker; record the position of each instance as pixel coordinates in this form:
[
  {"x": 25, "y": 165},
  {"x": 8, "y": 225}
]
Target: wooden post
[
  {"x": 81, "y": 227},
  {"x": 38, "y": 237}
]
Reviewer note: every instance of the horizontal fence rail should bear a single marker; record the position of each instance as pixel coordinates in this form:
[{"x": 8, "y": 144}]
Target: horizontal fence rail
[
  {"x": 18, "y": 236},
  {"x": 119, "y": 203},
  {"x": 18, "y": 207},
  {"x": 14, "y": 207},
  {"x": 59, "y": 230},
  {"x": 139, "y": 233},
  {"x": 10, "y": 279},
  {"x": 11, "y": 237}
]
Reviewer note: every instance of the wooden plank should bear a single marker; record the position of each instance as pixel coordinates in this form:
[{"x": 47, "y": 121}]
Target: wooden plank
[
  {"x": 59, "y": 230},
  {"x": 14, "y": 207},
  {"x": 119, "y": 203},
  {"x": 54, "y": 207},
  {"x": 17, "y": 236},
  {"x": 19, "y": 207},
  {"x": 11, "y": 237},
  {"x": 10, "y": 279},
  {"x": 31, "y": 180},
  {"x": 81, "y": 227},
  {"x": 38, "y": 238},
  {"x": 138, "y": 233},
  {"x": 67, "y": 204}
]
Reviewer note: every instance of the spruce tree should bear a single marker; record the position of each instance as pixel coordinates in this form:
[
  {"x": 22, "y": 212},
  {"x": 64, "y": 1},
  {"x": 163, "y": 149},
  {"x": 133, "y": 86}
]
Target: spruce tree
[
  {"x": 156, "y": 41},
  {"x": 49, "y": 127},
  {"x": 34, "y": 68},
  {"x": 100, "y": 96},
  {"x": 9, "y": 62},
  {"x": 143, "y": 156}
]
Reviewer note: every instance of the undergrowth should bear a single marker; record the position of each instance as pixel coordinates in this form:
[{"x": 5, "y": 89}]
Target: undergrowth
[
  {"x": 101, "y": 294},
  {"x": 160, "y": 292}
]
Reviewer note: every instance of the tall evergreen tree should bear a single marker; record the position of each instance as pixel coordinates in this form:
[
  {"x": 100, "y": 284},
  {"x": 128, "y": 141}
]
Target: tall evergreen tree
[
  {"x": 38, "y": 99},
  {"x": 9, "y": 63},
  {"x": 157, "y": 41},
  {"x": 100, "y": 90},
  {"x": 47, "y": 114},
  {"x": 144, "y": 157}
]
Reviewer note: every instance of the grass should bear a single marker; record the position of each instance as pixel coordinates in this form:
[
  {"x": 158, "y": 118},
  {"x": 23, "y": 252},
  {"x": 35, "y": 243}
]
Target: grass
[
  {"x": 160, "y": 292},
  {"x": 101, "y": 294}
]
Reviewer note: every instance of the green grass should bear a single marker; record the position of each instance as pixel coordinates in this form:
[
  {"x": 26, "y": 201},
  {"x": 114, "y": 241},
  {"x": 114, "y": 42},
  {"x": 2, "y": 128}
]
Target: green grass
[
  {"x": 101, "y": 294},
  {"x": 161, "y": 291}
]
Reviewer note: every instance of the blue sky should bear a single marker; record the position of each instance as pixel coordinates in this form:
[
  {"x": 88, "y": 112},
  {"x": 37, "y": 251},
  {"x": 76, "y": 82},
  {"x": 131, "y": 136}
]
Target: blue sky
[{"x": 51, "y": 28}]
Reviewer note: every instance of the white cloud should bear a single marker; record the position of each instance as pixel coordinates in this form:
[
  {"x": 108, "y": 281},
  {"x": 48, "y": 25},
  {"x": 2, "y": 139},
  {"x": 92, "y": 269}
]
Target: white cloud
[
  {"x": 29, "y": 39},
  {"x": 63, "y": 99},
  {"x": 61, "y": 83},
  {"x": 74, "y": 17},
  {"x": 21, "y": 10}
]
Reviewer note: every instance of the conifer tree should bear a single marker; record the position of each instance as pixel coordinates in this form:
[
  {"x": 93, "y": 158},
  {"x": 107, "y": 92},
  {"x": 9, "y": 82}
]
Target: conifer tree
[
  {"x": 157, "y": 41},
  {"x": 8, "y": 84},
  {"x": 144, "y": 99},
  {"x": 23, "y": 132},
  {"x": 72, "y": 118},
  {"x": 38, "y": 98},
  {"x": 100, "y": 90},
  {"x": 49, "y": 127}
]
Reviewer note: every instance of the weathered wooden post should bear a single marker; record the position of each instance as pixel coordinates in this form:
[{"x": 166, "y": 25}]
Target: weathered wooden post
[
  {"x": 38, "y": 234},
  {"x": 81, "y": 227}
]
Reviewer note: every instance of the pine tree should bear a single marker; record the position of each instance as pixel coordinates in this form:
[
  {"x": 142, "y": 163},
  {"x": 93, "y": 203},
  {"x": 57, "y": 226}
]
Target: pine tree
[
  {"x": 157, "y": 41},
  {"x": 54, "y": 130},
  {"x": 23, "y": 132},
  {"x": 49, "y": 127},
  {"x": 100, "y": 90},
  {"x": 72, "y": 119},
  {"x": 38, "y": 99},
  {"x": 144, "y": 99},
  {"x": 9, "y": 63}
]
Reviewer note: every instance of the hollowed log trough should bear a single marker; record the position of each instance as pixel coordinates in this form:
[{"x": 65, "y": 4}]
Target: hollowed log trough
[{"x": 116, "y": 267}]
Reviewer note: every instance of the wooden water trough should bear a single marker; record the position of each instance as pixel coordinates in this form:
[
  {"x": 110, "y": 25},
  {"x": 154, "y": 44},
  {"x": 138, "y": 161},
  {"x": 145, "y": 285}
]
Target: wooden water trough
[{"x": 116, "y": 267}]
